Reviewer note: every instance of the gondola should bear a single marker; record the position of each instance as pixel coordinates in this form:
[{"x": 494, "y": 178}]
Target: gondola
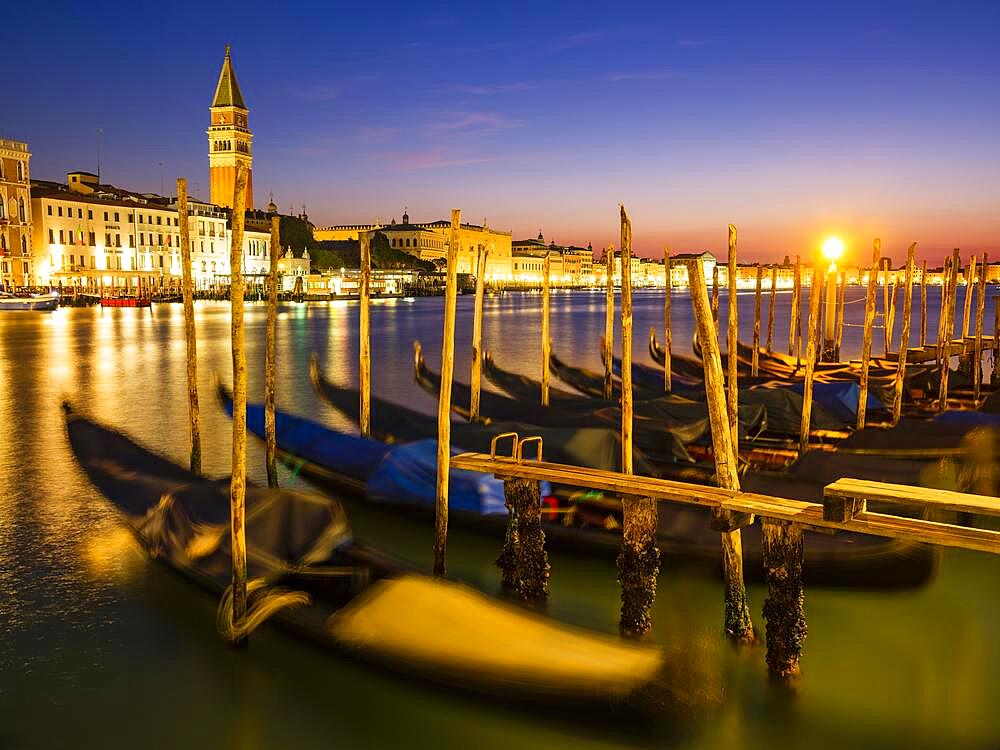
[
  {"x": 353, "y": 598},
  {"x": 845, "y": 560}
]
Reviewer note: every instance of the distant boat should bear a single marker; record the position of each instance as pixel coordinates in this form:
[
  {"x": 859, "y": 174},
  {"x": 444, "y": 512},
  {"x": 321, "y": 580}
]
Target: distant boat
[{"x": 47, "y": 301}]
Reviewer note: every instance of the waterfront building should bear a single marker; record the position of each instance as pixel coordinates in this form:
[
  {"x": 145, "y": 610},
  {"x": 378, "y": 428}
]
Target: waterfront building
[
  {"x": 89, "y": 234},
  {"x": 679, "y": 271},
  {"x": 15, "y": 214},
  {"x": 292, "y": 267},
  {"x": 429, "y": 241},
  {"x": 230, "y": 141},
  {"x": 568, "y": 265}
]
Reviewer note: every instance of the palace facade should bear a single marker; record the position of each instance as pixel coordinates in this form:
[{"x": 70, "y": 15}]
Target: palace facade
[{"x": 15, "y": 214}]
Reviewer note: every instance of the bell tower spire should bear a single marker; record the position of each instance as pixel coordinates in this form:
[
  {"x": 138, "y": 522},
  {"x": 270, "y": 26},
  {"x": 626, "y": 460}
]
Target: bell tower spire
[{"x": 229, "y": 137}]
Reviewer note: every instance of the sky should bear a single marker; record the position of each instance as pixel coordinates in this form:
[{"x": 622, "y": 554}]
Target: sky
[{"x": 794, "y": 121}]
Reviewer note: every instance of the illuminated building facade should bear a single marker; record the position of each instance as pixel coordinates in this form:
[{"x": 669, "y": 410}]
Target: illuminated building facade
[
  {"x": 15, "y": 214},
  {"x": 88, "y": 234}
]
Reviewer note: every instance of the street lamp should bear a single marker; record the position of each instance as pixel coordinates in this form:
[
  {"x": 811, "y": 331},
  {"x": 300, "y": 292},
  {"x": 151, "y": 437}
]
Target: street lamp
[{"x": 833, "y": 248}]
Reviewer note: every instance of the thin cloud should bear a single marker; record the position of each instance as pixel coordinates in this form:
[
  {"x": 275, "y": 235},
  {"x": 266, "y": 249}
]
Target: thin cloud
[
  {"x": 377, "y": 134},
  {"x": 437, "y": 159},
  {"x": 473, "y": 122},
  {"x": 641, "y": 75},
  {"x": 580, "y": 39},
  {"x": 489, "y": 89}
]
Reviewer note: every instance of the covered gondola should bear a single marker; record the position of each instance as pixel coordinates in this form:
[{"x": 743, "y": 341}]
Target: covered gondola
[{"x": 308, "y": 573}]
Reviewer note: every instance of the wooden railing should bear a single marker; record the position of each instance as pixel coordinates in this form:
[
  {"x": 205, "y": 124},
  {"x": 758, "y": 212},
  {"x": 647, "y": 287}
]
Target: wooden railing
[{"x": 782, "y": 519}]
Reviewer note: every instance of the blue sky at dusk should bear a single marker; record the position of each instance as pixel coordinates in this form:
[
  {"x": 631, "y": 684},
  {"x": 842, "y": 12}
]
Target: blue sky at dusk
[{"x": 792, "y": 120}]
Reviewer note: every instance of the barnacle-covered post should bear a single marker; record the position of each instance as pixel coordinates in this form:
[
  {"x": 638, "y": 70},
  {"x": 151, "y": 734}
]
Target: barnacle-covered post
[
  {"x": 738, "y": 624},
  {"x": 190, "y": 340},
  {"x": 270, "y": 365},
  {"x": 904, "y": 339},
  {"x": 444, "y": 399},
  {"x": 639, "y": 559},
  {"x": 238, "y": 482},
  {"x": 866, "y": 344},
  {"x": 784, "y": 615}
]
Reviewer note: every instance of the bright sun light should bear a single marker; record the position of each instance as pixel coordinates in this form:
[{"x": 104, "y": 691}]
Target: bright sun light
[{"x": 833, "y": 248}]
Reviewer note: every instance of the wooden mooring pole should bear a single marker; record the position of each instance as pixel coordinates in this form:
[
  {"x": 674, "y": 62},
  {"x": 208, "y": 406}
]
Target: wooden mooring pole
[
  {"x": 755, "y": 362},
  {"x": 738, "y": 624},
  {"x": 365, "y": 336},
  {"x": 668, "y": 336},
  {"x": 977, "y": 359},
  {"x": 943, "y": 316},
  {"x": 886, "y": 308},
  {"x": 546, "y": 341},
  {"x": 795, "y": 322},
  {"x": 970, "y": 275},
  {"x": 866, "y": 342},
  {"x": 444, "y": 399},
  {"x": 842, "y": 291},
  {"x": 639, "y": 559},
  {"x": 609, "y": 320},
  {"x": 949, "y": 327},
  {"x": 769, "y": 347},
  {"x": 995, "y": 374},
  {"x": 270, "y": 364},
  {"x": 524, "y": 564},
  {"x": 784, "y": 613},
  {"x": 904, "y": 337},
  {"x": 923, "y": 306},
  {"x": 238, "y": 482},
  {"x": 715, "y": 293},
  {"x": 732, "y": 345},
  {"x": 815, "y": 293},
  {"x": 476, "y": 374},
  {"x": 190, "y": 340}
]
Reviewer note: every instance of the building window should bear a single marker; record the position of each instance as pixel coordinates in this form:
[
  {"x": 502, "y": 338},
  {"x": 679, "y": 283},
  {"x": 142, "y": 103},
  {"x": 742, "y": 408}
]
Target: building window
[
  {"x": 130, "y": 218},
  {"x": 90, "y": 215},
  {"x": 61, "y": 241},
  {"x": 50, "y": 209},
  {"x": 92, "y": 243},
  {"x": 107, "y": 239},
  {"x": 158, "y": 219},
  {"x": 59, "y": 210},
  {"x": 116, "y": 217},
  {"x": 105, "y": 215},
  {"x": 140, "y": 218},
  {"x": 20, "y": 171},
  {"x": 160, "y": 240},
  {"x": 52, "y": 239},
  {"x": 79, "y": 213},
  {"x": 118, "y": 240},
  {"x": 20, "y": 209}
]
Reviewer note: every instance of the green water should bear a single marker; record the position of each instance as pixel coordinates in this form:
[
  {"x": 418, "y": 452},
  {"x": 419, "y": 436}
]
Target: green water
[{"x": 104, "y": 647}]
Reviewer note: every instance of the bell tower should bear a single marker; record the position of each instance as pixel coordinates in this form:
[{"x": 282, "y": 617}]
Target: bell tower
[{"x": 229, "y": 138}]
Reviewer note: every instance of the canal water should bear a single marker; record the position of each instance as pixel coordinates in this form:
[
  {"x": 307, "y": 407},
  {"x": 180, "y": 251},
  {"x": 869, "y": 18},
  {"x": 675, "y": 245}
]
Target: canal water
[{"x": 101, "y": 646}]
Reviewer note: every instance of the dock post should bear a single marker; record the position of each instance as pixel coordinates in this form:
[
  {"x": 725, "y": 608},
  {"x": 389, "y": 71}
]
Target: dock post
[
  {"x": 715, "y": 293},
  {"x": 770, "y": 310},
  {"x": 977, "y": 359},
  {"x": 476, "y": 374},
  {"x": 732, "y": 345},
  {"x": 795, "y": 322},
  {"x": 842, "y": 291},
  {"x": 190, "y": 340},
  {"x": 995, "y": 374},
  {"x": 923, "y": 306},
  {"x": 965, "y": 360},
  {"x": 364, "y": 336},
  {"x": 444, "y": 399},
  {"x": 784, "y": 616},
  {"x": 238, "y": 482},
  {"x": 639, "y": 559},
  {"x": 524, "y": 564},
  {"x": 904, "y": 336},
  {"x": 667, "y": 333},
  {"x": 609, "y": 320},
  {"x": 866, "y": 345},
  {"x": 886, "y": 307},
  {"x": 546, "y": 341},
  {"x": 814, "y": 297},
  {"x": 949, "y": 326},
  {"x": 755, "y": 362},
  {"x": 945, "y": 278},
  {"x": 738, "y": 624},
  {"x": 270, "y": 365}
]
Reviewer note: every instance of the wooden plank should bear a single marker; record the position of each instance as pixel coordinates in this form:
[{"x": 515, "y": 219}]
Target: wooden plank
[
  {"x": 921, "y": 496},
  {"x": 797, "y": 511}
]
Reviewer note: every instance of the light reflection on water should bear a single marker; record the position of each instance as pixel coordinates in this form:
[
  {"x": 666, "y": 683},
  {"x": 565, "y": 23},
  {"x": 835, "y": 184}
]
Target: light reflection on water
[{"x": 124, "y": 653}]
